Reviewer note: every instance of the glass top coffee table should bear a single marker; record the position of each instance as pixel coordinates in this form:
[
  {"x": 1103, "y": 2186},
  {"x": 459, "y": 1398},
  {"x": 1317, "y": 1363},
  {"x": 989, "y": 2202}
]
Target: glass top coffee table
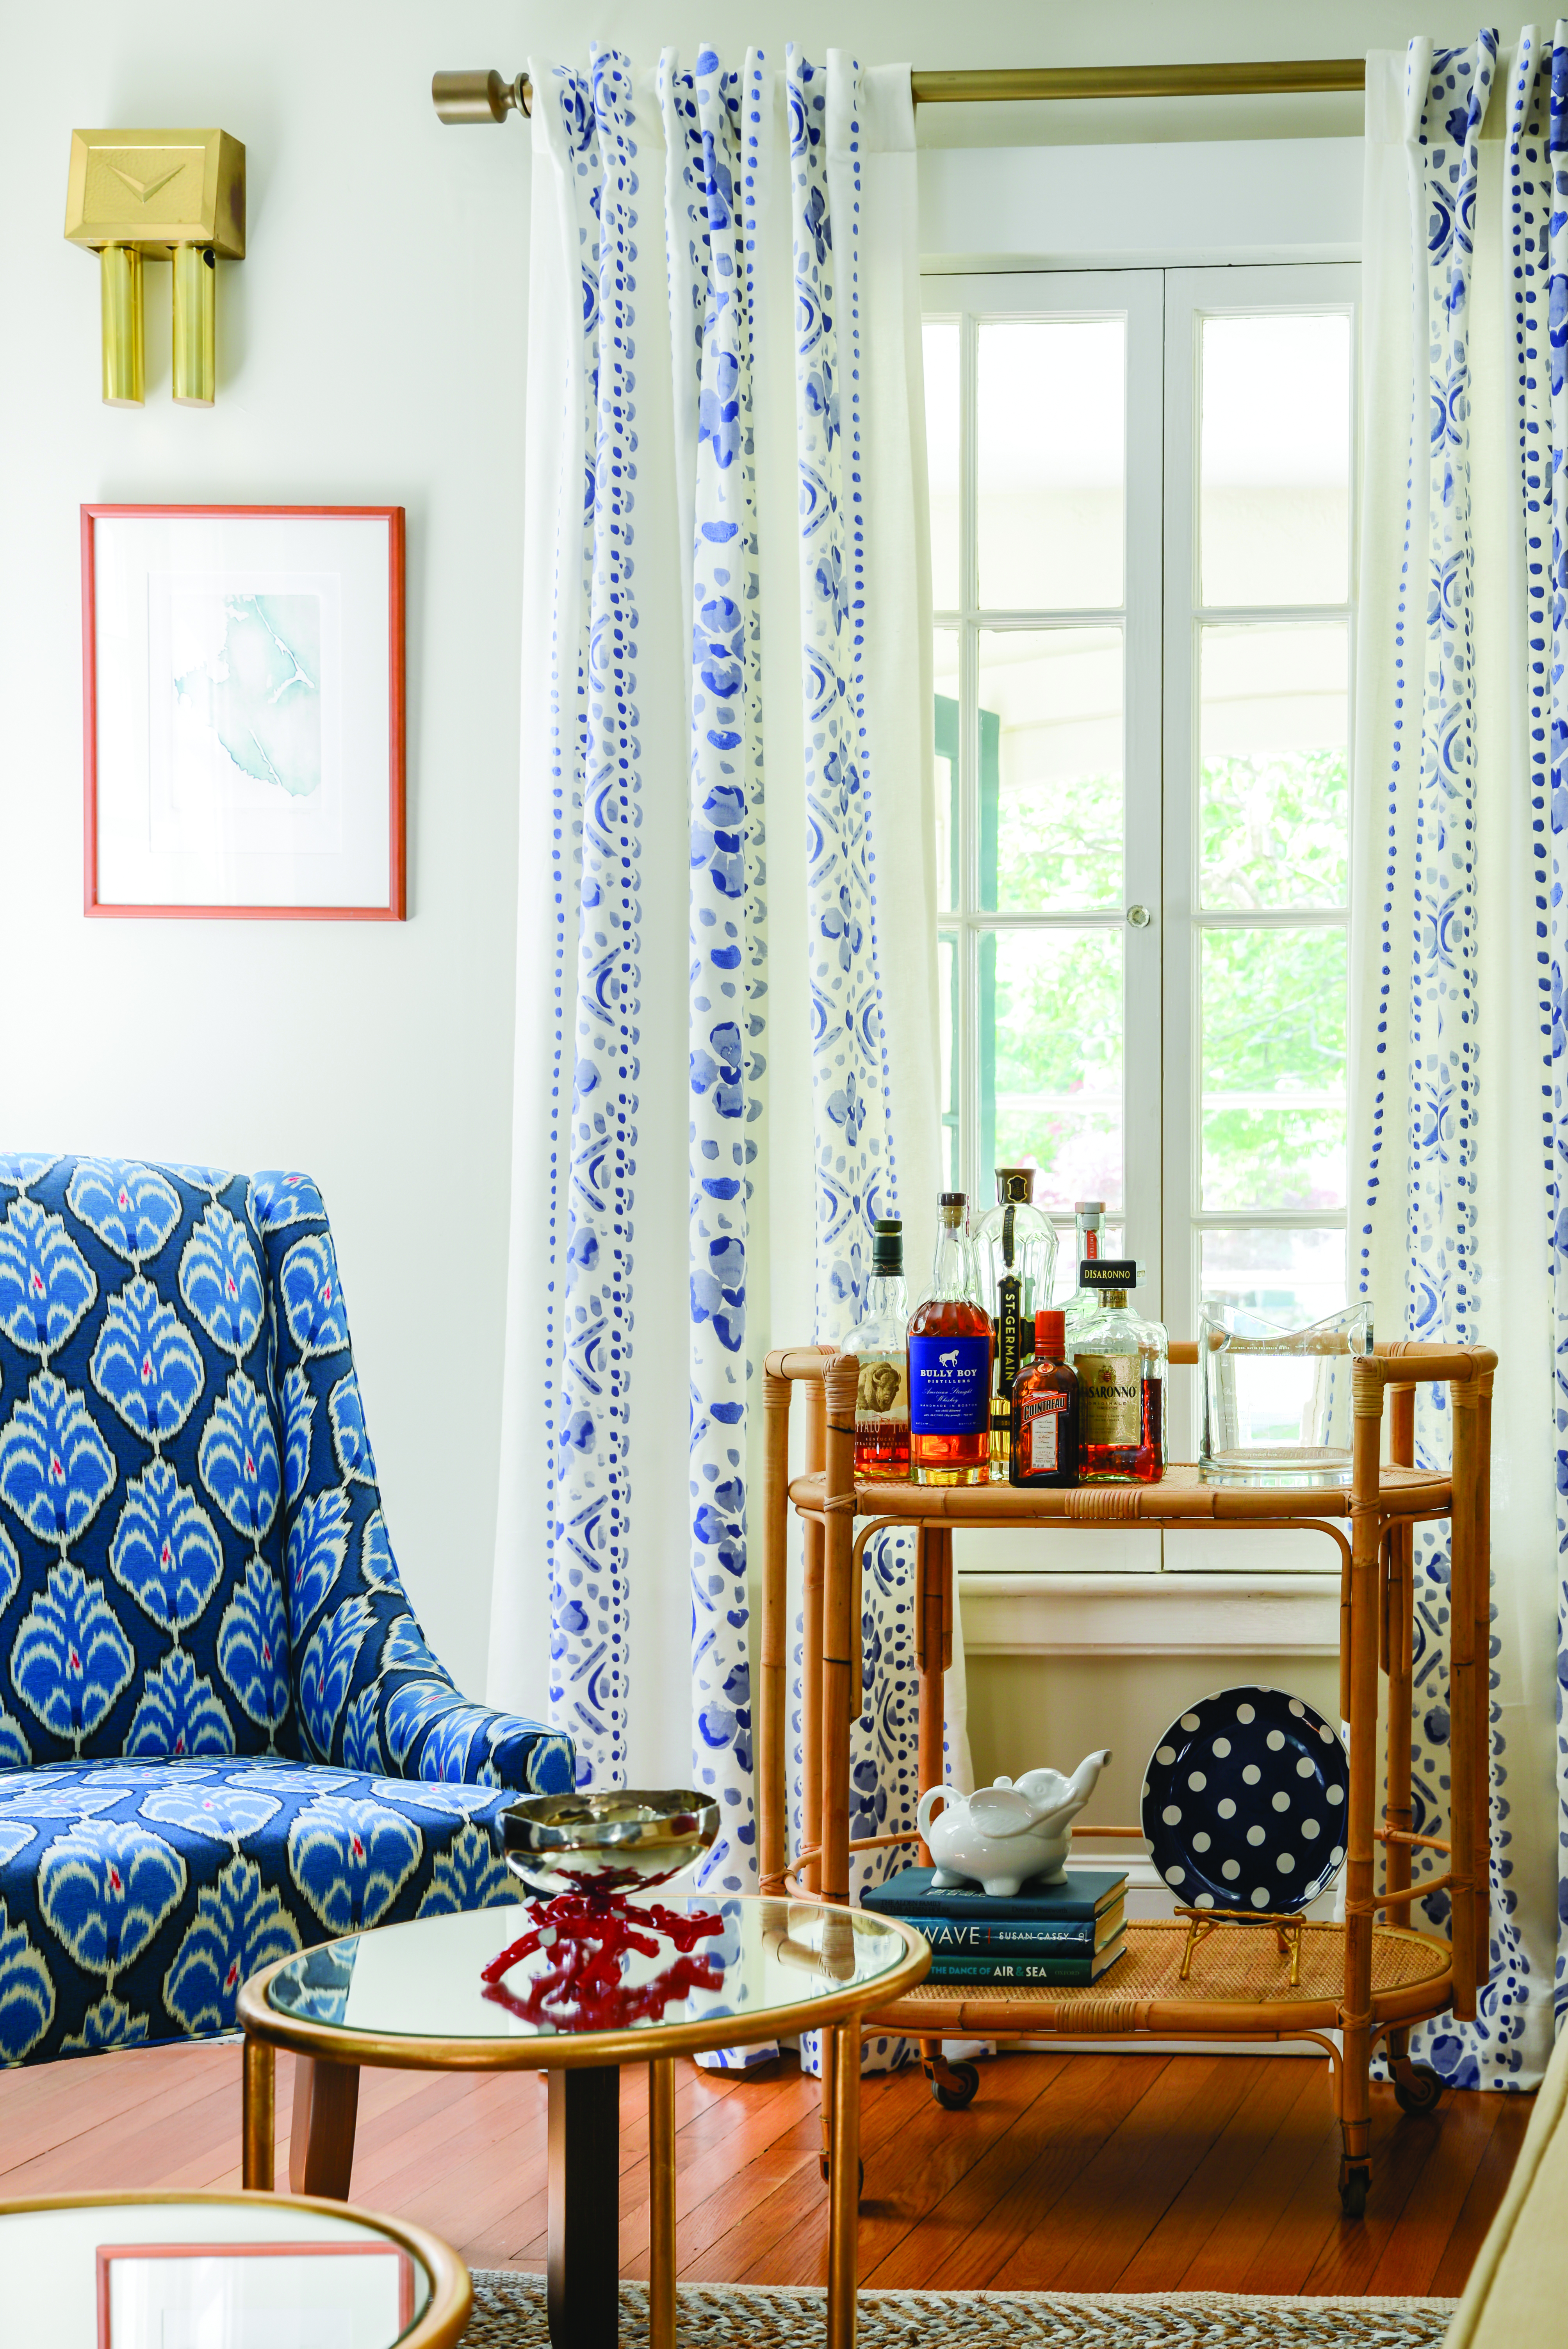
[
  {"x": 252, "y": 2271},
  {"x": 697, "y": 1974}
]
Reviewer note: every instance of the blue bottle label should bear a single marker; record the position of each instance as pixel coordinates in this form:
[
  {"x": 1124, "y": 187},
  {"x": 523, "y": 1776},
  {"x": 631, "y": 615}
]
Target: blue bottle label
[{"x": 949, "y": 1385}]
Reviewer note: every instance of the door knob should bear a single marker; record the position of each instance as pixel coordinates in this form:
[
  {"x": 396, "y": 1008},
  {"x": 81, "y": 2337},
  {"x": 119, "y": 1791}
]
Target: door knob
[{"x": 1139, "y": 916}]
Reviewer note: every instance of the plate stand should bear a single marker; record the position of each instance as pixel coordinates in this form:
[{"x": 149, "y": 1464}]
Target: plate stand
[{"x": 1201, "y": 1923}]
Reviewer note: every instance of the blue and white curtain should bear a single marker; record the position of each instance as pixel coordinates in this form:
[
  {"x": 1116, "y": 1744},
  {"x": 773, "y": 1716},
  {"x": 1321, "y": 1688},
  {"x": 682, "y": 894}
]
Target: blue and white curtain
[
  {"x": 1460, "y": 939},
  {"x": 724, "y": 1071}
]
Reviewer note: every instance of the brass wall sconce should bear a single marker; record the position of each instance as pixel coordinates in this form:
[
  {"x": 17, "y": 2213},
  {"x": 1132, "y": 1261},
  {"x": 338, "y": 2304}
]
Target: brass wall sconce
[{"x": 174, "y": 195}]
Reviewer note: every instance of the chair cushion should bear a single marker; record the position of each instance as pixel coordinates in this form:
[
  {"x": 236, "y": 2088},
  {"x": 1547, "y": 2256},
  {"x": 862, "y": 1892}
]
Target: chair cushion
[
  {"x": 142, "y": 1606},
  {"x": 136, "y": 1897}
]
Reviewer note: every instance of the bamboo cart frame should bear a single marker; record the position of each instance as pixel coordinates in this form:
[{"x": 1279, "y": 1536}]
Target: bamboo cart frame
[{"x": 1366, "y": 1981}]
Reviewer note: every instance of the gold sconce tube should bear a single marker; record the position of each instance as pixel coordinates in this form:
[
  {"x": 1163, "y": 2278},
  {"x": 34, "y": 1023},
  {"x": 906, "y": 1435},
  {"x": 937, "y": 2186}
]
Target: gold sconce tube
[
  {"x": 120, "y": 285},
  {"x": 195, "y": 325},
  {"x": 134, "y": 196}
]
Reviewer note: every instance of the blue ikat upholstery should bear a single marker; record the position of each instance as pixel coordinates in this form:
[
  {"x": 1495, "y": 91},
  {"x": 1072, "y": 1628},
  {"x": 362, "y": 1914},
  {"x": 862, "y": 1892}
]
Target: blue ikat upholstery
[{"x": 222, "y": 1734}]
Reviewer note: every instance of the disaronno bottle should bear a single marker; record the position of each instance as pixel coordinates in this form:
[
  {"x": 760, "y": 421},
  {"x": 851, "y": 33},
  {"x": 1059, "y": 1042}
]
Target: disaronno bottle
[
  {"x": 1121, "y": 1363},
  {"x": 1016, "y": 1258},
  {"x": 950, "y": 1364},
  {"x": 882, "y": 1398}
]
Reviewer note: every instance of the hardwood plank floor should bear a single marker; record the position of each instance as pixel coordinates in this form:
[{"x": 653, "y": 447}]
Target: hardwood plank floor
[{"x": 1069, "y": 2173}]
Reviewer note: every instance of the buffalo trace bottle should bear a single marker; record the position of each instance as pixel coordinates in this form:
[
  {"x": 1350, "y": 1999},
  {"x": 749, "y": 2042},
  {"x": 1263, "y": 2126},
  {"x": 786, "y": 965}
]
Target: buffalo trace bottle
[
  {"x": 950, "y": 1364},
  {"x": 882, "y": 1398},
  {"x": 1044, "y": 1447},
  {"x": 1016, "y": 1256},
  {"x": 1121, "y": 1363}
]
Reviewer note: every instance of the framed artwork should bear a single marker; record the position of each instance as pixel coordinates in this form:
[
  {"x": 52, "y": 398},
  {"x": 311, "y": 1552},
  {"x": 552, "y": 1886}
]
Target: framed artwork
[
  {"x": 253, "y": 2295},
  {"x": 242, "y": 712}
]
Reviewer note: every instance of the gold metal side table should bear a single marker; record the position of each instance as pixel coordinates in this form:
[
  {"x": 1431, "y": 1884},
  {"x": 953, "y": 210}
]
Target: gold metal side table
[{"x": 411, "y": 1997}]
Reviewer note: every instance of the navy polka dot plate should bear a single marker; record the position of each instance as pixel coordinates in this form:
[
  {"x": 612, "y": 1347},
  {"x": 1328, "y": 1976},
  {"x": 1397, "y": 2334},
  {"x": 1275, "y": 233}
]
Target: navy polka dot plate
[{"x": 1244, "y": 1802}]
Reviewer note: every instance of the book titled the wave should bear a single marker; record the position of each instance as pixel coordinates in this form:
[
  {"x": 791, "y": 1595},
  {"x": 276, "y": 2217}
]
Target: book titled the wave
[{"x": 1071, "y": 1921}]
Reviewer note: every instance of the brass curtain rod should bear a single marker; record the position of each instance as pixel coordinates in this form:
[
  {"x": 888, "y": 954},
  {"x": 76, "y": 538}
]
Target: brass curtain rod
[{"x": 489, "y": 96}]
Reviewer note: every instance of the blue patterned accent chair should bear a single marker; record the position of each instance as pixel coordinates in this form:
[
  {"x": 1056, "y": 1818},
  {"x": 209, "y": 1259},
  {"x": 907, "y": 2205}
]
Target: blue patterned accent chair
[{"x": 223, "y": 1735}]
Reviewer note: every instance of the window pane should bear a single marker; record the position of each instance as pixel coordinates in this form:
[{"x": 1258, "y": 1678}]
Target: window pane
[
  {"x": 1273, "y": 786},
  {"x": 944, "y": 663},
  {"x": 1050, "y": 769},
  {"x": 1050, "y": 1060},
  {"x": 1290, "y": 1278},
  {"x": 1275, "y": 485},
  {"x": 1050, "y": 425},
  {"x": 1274, "y": 1068},
  {"x": 939, "y": 337},
  {"x": 947, "y": 1015}
]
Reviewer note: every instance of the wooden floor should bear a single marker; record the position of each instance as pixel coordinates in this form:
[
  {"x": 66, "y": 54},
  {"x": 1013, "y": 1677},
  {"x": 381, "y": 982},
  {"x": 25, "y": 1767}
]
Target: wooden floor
[{"x": 1073, "y": 2173}]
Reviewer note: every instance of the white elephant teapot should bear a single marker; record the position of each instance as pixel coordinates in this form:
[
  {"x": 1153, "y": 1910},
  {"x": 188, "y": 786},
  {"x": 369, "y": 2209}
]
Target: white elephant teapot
[{"x": 1003, "y": 1837}]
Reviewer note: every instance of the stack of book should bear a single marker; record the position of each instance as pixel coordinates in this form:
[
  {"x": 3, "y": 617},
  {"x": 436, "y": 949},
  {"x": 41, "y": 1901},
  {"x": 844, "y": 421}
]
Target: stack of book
[{"x": 1073, "y": 1931}]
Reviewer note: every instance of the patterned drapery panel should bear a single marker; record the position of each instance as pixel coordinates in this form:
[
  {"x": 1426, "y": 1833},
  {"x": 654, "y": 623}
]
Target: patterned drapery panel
[
  {"x": 1458, "y": 937},
  {"x": 717, "y": 400}
]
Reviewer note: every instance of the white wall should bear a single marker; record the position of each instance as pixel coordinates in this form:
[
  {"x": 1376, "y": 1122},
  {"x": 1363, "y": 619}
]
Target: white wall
[{"x": 371, "y": 348}]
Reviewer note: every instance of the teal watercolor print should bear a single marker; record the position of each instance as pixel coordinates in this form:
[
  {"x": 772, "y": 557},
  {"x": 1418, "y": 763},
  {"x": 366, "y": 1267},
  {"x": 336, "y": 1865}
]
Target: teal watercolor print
[{"x": 259, "y": 689}]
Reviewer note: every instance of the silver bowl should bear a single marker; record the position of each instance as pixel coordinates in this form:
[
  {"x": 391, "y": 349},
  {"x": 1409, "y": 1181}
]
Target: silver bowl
[{"x": 609, "y": 1841}]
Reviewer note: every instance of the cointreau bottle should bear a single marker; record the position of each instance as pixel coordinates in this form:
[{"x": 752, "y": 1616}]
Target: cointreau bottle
[
  {"x": 1121, "y": 1363},
  {"x": 882, "y": 1398},
  {"x": 950, "y": 1364},
  {"x": 1045, "y": 1446},
  {"x": 1016, "y": 1256}
]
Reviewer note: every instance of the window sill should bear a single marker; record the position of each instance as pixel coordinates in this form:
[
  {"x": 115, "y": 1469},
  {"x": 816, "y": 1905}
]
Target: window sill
[{"x": 1058, "y": 1613}]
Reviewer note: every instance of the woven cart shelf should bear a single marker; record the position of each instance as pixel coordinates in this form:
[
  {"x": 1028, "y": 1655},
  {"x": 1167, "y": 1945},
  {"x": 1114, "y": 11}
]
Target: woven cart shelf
[
  {"x": 1239, "y": 1987},
  {"x": 1366, "y": 1980}
]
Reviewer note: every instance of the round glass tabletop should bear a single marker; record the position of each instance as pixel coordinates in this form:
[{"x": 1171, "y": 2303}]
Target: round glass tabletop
[
  {"x": 250, "y": 2271},
  {"x": 721, "y": 1970}
]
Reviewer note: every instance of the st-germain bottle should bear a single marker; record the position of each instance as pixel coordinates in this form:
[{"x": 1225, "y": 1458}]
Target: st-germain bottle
[
  {"x": 1121, "y": 1363},
  {"x": 1016, "y": 1256},
  {"x": 950, "y": 1364},
  {"x": 882, "y": 1398},
  {"x": 1044, "y": 1447}
]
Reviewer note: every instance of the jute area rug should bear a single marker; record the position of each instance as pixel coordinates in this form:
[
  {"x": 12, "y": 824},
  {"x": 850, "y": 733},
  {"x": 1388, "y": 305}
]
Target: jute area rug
[{"x": 509, "y": 2314}]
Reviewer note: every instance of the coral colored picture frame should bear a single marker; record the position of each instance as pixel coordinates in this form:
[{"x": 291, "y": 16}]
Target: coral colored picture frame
[
  {"x": 109, "y": 2252},
  {"x": 395, "y": 908}
]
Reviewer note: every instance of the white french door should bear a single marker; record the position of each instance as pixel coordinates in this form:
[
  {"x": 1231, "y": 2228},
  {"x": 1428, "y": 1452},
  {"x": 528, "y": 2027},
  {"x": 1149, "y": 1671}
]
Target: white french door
[
  {"x": 1045, "y": 422},
  {"x": 1142, "y": 511}
]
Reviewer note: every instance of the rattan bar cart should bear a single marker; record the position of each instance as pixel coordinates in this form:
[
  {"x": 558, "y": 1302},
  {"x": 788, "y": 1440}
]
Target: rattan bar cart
[{"x": 1367, "y": 1981}]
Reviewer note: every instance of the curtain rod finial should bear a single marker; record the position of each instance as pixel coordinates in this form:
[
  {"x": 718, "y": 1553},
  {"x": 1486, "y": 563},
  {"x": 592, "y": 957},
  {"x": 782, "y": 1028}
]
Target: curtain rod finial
[{"x": 478, "y": 96}]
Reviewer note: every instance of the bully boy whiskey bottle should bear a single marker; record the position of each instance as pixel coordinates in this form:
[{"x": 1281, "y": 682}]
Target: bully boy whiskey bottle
[{"x": 950, "y": 1364}]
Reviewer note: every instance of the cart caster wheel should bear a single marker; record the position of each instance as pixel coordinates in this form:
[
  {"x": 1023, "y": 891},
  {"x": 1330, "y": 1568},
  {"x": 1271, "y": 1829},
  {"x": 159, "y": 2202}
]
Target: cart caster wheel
[
  {"x": 825, "y": 2165},
  {"x": 960, "y": 2088},
  {"x": 1420, "y": 2091},
  {"x": 1353, "y": 2186}
]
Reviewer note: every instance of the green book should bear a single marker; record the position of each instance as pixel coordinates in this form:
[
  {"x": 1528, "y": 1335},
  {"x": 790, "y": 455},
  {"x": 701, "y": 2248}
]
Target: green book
[{"x": 1063, "y": 1971}]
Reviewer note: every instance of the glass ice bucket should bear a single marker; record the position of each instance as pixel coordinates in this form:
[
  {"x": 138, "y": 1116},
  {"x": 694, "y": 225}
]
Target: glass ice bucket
[{"x": 1276, "y": 1402}]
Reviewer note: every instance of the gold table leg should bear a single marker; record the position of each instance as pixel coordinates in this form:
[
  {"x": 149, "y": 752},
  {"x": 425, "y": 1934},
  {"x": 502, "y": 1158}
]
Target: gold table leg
[
  {"x": 845, "y": 2186},
  {"x": 662, "y": 2204},
  {"x": 258, "y": 2130}
]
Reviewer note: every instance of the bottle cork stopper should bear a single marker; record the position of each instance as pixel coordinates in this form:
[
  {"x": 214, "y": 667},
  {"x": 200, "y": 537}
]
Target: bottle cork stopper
[{"x": 1050, "y": 1334}]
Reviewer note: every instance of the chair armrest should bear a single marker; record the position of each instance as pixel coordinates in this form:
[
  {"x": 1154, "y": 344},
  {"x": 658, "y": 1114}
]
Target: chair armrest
[{"x": 433, "y": 1731}]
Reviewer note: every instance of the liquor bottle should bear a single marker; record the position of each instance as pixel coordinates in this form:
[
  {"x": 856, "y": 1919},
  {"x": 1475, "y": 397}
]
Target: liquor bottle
[
  {"x": 1045, "y": 1446},
  {"x": 1121, "y": 1363},
  {"x": 880, "y": 1338},
  {"x": 1089, "y": 1220},
  {"x": 1015, "y": 1255},
  {"x": 950, "y": 1364}
]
